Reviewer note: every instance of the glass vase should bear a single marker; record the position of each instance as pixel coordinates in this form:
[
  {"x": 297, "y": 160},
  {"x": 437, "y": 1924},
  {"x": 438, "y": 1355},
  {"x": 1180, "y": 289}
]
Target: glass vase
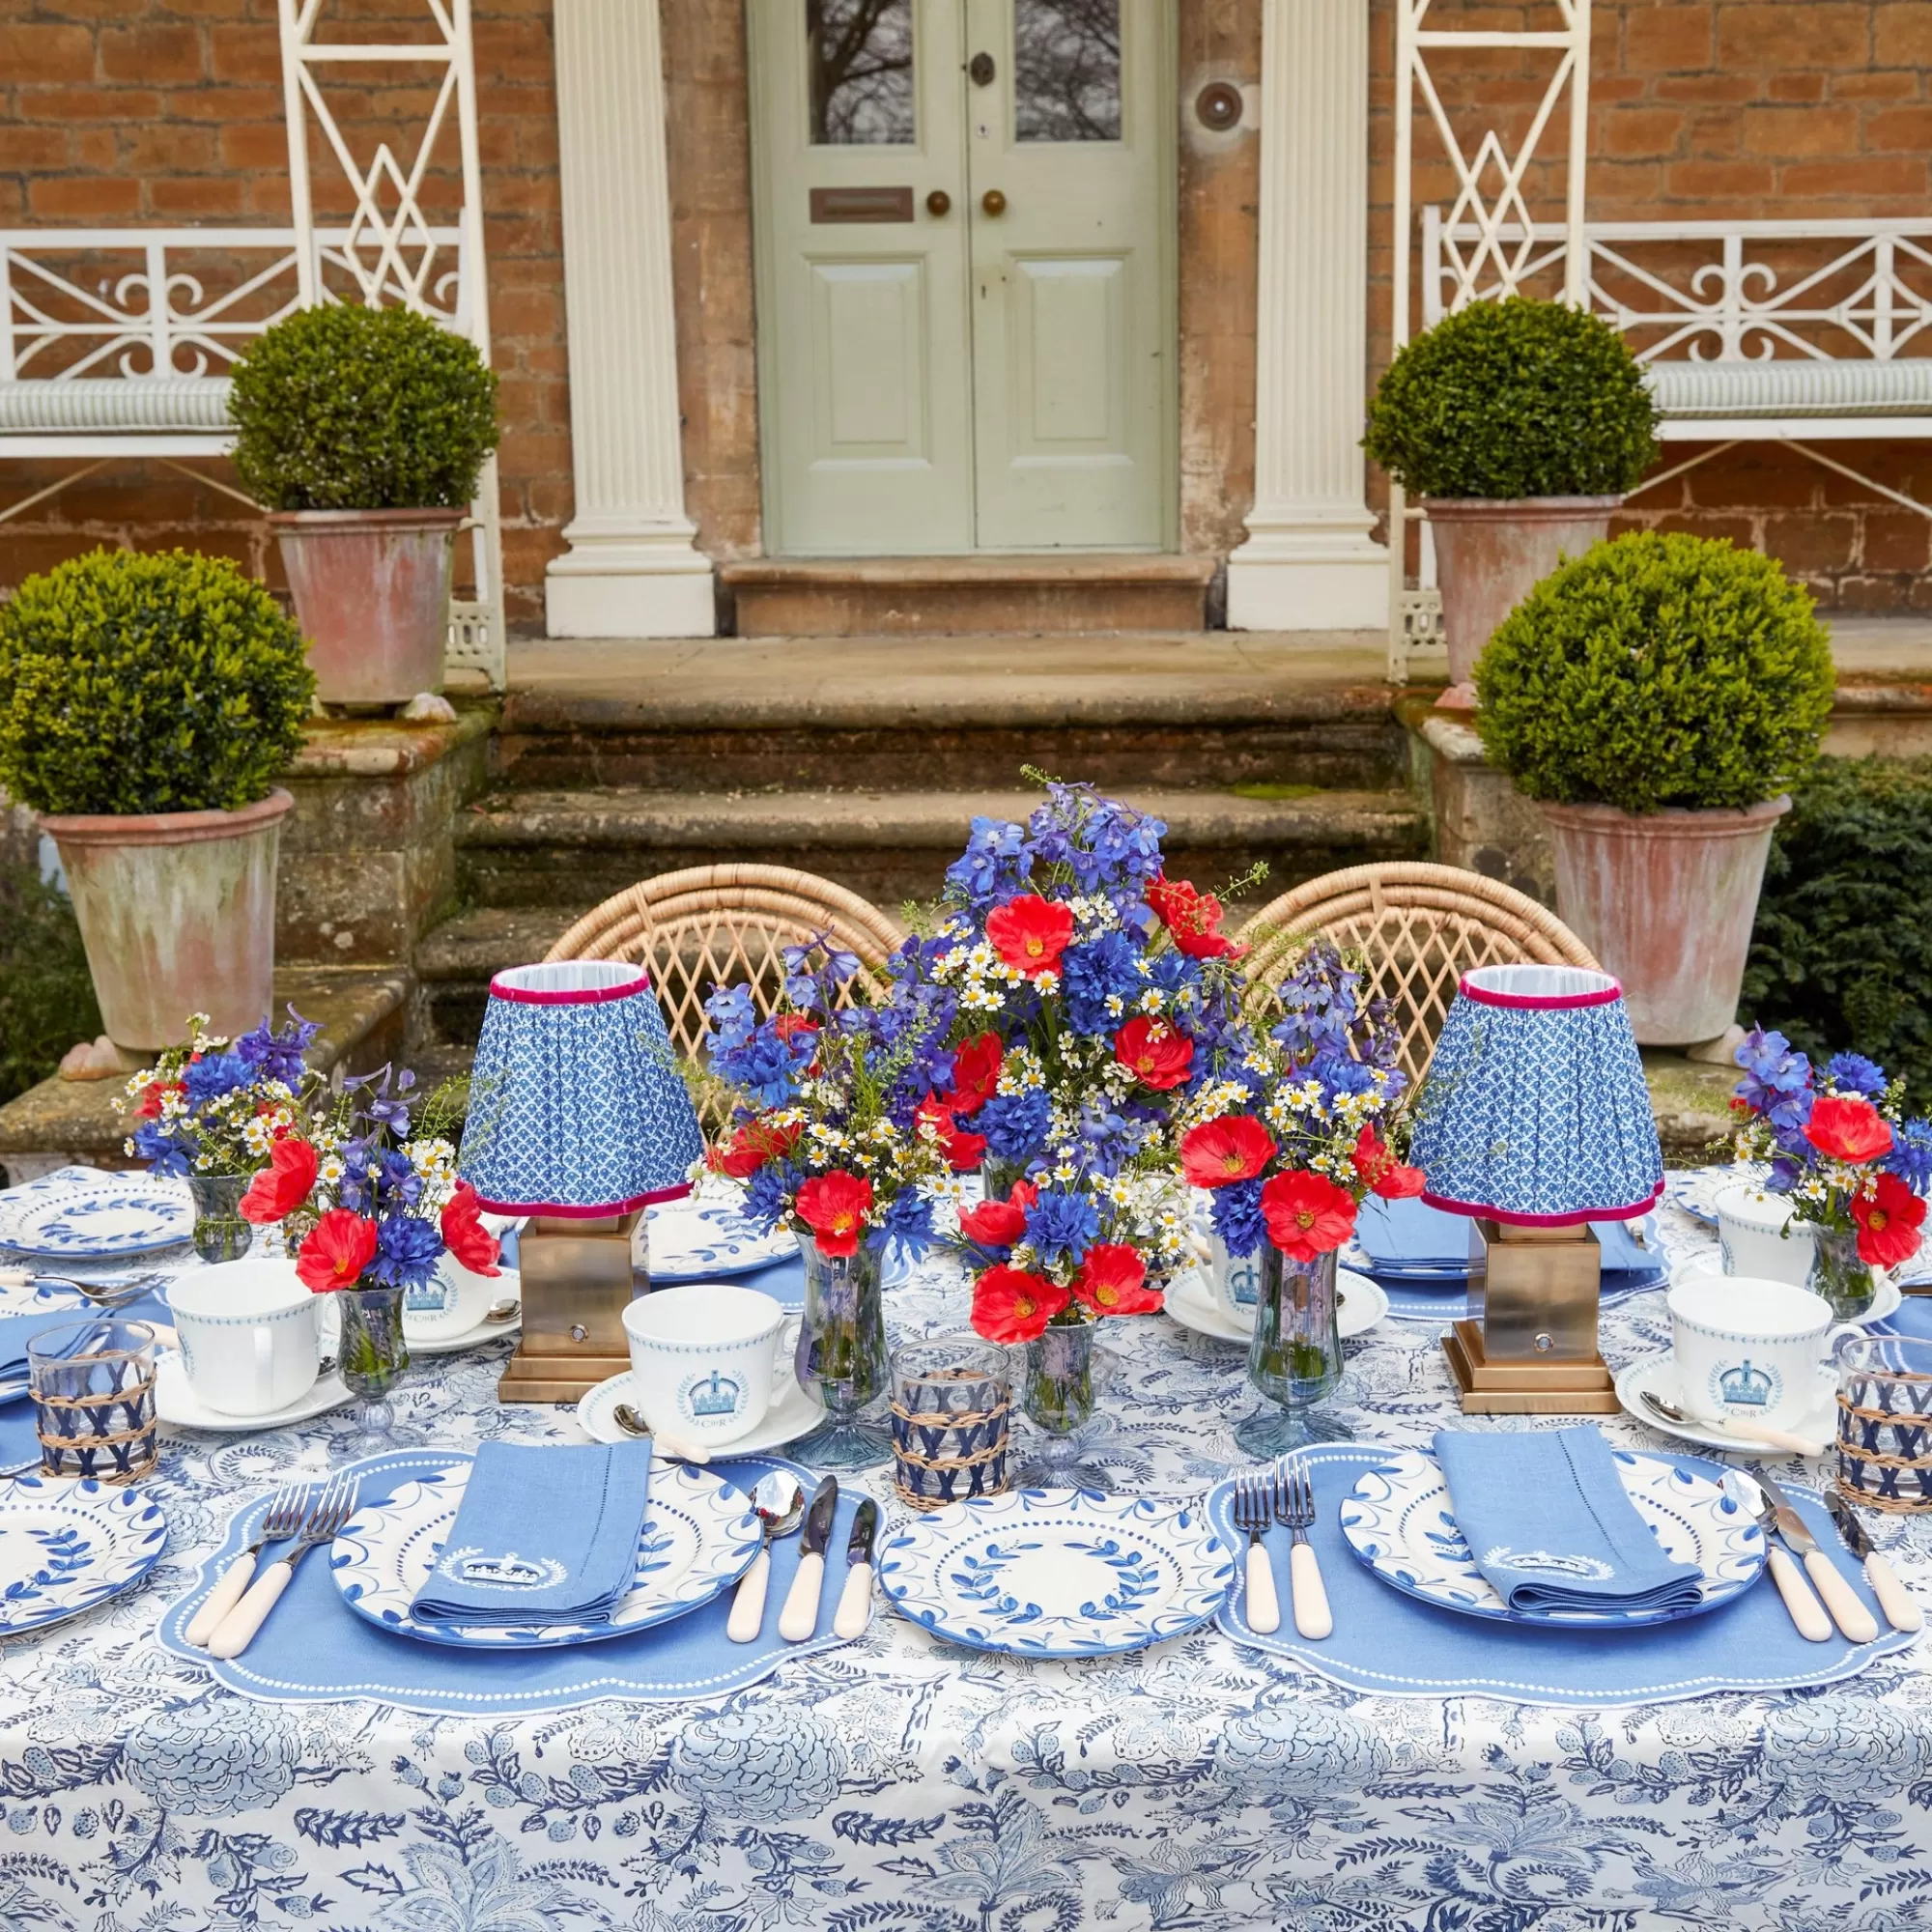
[
  {"x": 998, "y": 1178},
  {"x": 220, "y": 1234},
  {"x": 1838, "y": 1275},
  {"x": 841, "y": 1356},
  {"x": 372, "y": 1358},
  {"x": 1057, "y": 1385},
  {"x": 1295, "y": 1358}
]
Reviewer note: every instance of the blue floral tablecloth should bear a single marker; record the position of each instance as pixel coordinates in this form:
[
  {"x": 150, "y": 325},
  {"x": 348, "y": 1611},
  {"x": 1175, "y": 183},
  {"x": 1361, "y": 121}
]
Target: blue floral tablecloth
[{"x": 898, "y": 1783}]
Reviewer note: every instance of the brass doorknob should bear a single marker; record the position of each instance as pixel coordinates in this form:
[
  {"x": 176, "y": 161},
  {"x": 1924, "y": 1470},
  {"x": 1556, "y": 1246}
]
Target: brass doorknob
[
  {"x": 938, "y": 202},
  {"x": 993, "y": 202}
]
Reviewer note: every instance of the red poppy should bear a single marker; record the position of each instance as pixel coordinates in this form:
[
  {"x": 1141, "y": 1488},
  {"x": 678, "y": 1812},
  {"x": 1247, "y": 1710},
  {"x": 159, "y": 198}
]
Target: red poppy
[
  {"x": 337, "y": 1250},
  {"x": 283, "y": 1185},
  {"x": 786, "y": 1025},
  {"x": 463, "y": 1235},
  {"x": 975, "y": 1072},
  {"x": 963, "y": 1150},
  {"x": 1159, "y": 1055},
  {"x": 1383, "y": 1173},
  {"x": 152, "y": 1094},
  {"x": 1888, "y": 1222},
  {"x": 1010, "y": 1305},
  {"x": 833, "y": 1206},
  {"x": 1851, "y": 1130},
  {"x": 1112, "y": 1281},
  {"x": 994, "y": 1224},
  {"x": 1030, "y": 933},
  {"x": 1237, "y": 1146},
  {"x": 1307, "y": 1214},
  {"x": 1193, "y": 919},
  {"x": 750, "y": 1146}
]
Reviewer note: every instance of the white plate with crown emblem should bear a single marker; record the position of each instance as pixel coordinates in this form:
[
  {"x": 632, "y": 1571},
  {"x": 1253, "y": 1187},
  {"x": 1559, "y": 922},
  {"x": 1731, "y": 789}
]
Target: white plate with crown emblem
[
  {"x": 699, "y": 1537},
  {"x": 67, "y": 1546},
  {"x": 796, "y": 1413},
  {"x": 1192, "y": 1302},
  {"x": 1396, "y": 1520}
]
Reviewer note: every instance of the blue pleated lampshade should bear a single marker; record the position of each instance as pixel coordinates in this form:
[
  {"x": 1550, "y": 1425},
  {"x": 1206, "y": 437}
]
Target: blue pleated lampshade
[
  {"x": 1535, "y": 1110},
  {"x": 576, "y": 1104}
]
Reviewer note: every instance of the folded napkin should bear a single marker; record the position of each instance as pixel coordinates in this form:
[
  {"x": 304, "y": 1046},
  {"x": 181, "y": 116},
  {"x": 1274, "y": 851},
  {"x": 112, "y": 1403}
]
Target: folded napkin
[
  {"x": 1400, "y": 1236},
  {"x": 543, "y": 1535},
  {"x": 1552, "y": 1528}
]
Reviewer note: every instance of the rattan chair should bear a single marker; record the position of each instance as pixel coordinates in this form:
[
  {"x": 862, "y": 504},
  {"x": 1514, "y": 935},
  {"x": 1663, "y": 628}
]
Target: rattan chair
[{"x": 1417, "y": 929}]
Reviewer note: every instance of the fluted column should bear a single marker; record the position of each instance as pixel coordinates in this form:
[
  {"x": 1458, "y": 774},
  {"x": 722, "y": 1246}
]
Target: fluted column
[
  {"x": 1309, "y": 563},
  {"x": 632, "y": 570}
]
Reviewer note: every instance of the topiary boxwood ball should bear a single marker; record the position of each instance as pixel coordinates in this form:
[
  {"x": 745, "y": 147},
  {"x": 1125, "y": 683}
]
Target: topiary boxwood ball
[
  {"x": 347, "y": 408},
  {"x": 1504, "y": 400},
  {"x": 134, "y": 683},
  {"x": 1656, "y": 671}
]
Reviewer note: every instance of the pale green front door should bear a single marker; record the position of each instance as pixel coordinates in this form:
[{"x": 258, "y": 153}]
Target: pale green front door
[{"x": 964, "y": 225}]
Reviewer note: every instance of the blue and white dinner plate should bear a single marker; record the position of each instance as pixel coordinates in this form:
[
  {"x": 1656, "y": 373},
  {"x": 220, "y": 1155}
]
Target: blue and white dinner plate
[
  {"x": 1396, "y": 1520},
  {"x": 1058, "y": 1572},
  {"x": 98, "y": 1219},
  {"x": 67, "y": 1546},
  {"x": 699, "y": 1537},
  {"x": 1696, "y": 1189},
  {"x": 705, "y": 1235}
]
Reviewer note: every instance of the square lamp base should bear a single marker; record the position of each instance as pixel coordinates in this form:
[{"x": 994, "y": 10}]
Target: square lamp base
[
  {"x": 1542, "y": 1386},
  {"x": 578, "y": 1279}
]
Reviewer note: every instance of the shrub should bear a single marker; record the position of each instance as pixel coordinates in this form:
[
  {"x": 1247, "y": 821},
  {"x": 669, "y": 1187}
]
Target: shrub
[
  {"x": 135, "y": 683},
  {"x": 1513, "y": 399},
  {"x": 1841, "y": 955},
  {"x": 347, "y": 408},
  {"x": 1657, "y": 670},
  {"x": 47, "y": 995}
]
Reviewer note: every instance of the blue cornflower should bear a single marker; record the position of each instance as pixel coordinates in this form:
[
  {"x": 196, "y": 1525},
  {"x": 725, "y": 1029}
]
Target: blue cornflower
[
  {"x": 1237, "y": 1216},
  {"x": 1014, "y": 1125},
  {"x": 407, "y": 1251},
  {"x": 1853, "y": 1073},
  {"x": 766, "y": 1191},
  {"x": 995, "y": 863},
  {"x": 213, "y": 1075},
  {"x": 1777, "y": 1082},
  {"x": 1910, "y": 1156},
  {"x": 1090, "y": 973},
  {"x": 165, "y": 1157},
  {"x": 907, "y": 1225},
  {"x": 1063, "y": 1222}
]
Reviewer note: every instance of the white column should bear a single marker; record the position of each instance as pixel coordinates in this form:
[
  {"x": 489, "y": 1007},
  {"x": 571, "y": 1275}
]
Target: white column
[
  {"x": 1309, "y": 563},
  {"x": 632, "y": 570}
]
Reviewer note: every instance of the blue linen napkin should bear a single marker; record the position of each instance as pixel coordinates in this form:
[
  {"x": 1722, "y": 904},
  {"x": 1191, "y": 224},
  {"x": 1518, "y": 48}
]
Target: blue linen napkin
[
  {"x": 1404, "y": 1237},
  {"x": 1552, "y": 1528},
  {"x": 544, "y": 1534}
]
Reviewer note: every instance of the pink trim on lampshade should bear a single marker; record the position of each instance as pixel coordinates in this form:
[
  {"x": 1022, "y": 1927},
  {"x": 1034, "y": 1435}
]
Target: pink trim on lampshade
[
  {"x": 1575, "y": 1217},
  {"x": 550, "y": 1211},
  {"x": 585, "y": 996},
  {"x": 1545, "y": 1003}
]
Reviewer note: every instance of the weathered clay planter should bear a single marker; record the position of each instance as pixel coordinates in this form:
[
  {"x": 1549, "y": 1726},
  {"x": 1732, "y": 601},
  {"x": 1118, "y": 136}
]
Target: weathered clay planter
[
  {"x": 1489, "y": 554},
  {"x": 1666, "y": 900},
  {"x": 371, "y": 590},
  {"x": 177, "y": 910}
]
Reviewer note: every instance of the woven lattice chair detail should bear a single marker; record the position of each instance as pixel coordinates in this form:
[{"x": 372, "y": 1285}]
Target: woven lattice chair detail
[
  {"x": 1417, "y": 928},
  {"x": 725, "y": 925}
]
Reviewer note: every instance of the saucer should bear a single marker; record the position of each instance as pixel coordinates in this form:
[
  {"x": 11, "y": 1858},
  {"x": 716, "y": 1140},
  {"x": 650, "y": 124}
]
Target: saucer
[
  {"x": 1658, "y": 1374},
  {"x": 1192, "y": 1304},
  {"x": 797, "y": 1414},
  {"x": 177, "y": 1404},
  {"x": 471, "y": 1338}
]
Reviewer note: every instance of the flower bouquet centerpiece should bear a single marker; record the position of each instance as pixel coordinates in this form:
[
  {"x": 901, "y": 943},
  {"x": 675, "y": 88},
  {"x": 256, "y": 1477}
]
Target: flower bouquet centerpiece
[
  {"x": 833, "y": 1137},
  {"x": 210, "y": 1113},
  {"x": 1289, "y": 1144},
  {"x": 369, "y": 1206},
  {"x": 1839, "y": 1148}
]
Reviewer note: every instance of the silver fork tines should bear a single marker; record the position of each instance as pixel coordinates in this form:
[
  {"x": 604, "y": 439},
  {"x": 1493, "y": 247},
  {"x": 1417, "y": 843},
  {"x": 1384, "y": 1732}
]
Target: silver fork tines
[
  {"x": 280, "y": 1521},
  {"x": 1295, "y": 1506},
  {"x": 1254, "y": 1511}
]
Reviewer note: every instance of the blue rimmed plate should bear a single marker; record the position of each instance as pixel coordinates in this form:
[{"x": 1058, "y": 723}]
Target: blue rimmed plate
[
  {"x": 98, "y": 1219},
  {"x": 1397, "y": 1519},
  {"x": 699, "y": 1537},
  {"x": 705, "y": 1235},
  {"x": 67, "y": 1546},
  {"x": 1058, "y": 1572}
]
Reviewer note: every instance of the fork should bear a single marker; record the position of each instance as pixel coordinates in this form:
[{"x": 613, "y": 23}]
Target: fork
[
  {"x": 1294, "y": 1505},
  {"x": 326, "y": 1518},
  {"x": 1254, "y": 1512},
  {"x": 287, "y": 1508}
]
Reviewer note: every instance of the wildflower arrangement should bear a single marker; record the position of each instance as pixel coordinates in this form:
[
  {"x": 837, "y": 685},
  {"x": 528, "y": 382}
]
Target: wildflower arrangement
[
  {"x": 210, "y": 1107},
  {"x": 365, "y": 1200},
  {"x": 1838, "y": 1142},
  {"x": 1309, "y": 1122}
]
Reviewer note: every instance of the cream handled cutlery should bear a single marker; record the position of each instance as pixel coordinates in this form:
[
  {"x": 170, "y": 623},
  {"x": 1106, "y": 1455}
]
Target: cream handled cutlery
[
  {"x": 1294, "y": 1505},
  {"x": 1254, "y": 1511},
  {"x": 779, "y": 1503},
  {"x": 1848, "y": 1612},
  {"x": 1806, "y": 1612},
  {"x": 287, "y": 1508},
  {"x": 326, "y": 1518},
  {"x": 798, "y": 1618},
  {"x": 855, "y": 1601},
  {"x": 1901, "y": 1609}
]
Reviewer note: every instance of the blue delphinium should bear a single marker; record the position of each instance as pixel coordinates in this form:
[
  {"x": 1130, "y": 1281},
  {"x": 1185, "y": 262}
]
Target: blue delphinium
[
  {"x": 1776, "y": 1084},
  {"x": 166, "y": 1156},
  {"x": 1910, "y": 1156},
  {"x": 278, "y": 1054},
  {"x": 995, "y": 863}
]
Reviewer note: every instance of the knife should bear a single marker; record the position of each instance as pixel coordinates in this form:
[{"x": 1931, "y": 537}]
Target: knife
[
  {"x": 1851, "y": 1616},
  {"x": 855, "y": 1601},
  {"x": 798, "y": 1618},
  {"x": 1901, "y": 1610}
]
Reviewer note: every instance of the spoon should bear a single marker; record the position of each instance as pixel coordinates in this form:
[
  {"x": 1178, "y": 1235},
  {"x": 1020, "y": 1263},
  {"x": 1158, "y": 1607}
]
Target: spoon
[
  {"x": 1751, "y": 1439},
  {"x": 507, "y": 1309},
  {"x": 631, "y": 1423},
  {"x": 780, "y": 1506}
]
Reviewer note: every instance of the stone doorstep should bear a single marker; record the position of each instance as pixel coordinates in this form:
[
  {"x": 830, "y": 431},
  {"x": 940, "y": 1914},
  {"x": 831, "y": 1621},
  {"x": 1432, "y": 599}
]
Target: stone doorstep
[{"x": 362, "y": 1012}]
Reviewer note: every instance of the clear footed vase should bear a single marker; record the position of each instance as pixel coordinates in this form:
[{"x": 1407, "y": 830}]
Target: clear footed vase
[
  {"x": 373, "y": 1357},
  {"x": 1295, "y": 1356},
  {"x": 841, "y": 1356},
  {"x": 220, "y": 1234},
  {"x": 1057, "y": 1396},
  {"x": 1838, "y": 1275}
]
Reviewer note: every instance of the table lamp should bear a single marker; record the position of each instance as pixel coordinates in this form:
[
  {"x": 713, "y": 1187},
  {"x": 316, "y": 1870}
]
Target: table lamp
[
  {"x": 579, "y": 1118},
  {"x": 1534, "y": 1122}
]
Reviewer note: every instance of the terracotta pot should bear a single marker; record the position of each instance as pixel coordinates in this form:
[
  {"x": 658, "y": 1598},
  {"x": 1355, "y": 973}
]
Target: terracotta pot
[
  {"x": 371, "y": 590},
  {"x": 1666, "y": 900},
  {"x": 1491, "y": 554},
  {"x": 177, "y": 910}
]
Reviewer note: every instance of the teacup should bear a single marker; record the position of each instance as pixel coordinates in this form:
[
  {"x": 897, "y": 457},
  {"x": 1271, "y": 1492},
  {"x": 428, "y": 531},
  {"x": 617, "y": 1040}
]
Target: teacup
[
  {"x": 1757, "y": 1237},
  {"x": 1236, "y": 1279},
  {"x": 1752, "y": 1351},
  {"x": 249, "y": 1340},
  {"x": 705, "y": 1359},
  {"x": 454, "y": 1300}
]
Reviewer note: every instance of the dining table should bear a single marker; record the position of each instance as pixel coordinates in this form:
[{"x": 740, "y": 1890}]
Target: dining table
[{"x": 899, "y": 1780}]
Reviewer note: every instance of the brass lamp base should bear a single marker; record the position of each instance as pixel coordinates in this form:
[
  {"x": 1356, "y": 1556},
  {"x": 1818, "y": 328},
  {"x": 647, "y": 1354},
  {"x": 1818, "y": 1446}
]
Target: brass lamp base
[
  {"x": 578, "y": 1279},
  {"x": 1513, "y": 1386}
]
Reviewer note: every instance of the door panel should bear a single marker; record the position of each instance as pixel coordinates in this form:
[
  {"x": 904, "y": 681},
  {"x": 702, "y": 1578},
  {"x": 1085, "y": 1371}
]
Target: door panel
[{"x": 868, "y": 352}]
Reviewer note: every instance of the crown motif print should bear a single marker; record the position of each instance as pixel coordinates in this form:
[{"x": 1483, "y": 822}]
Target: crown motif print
[
  {"x": 507, "y": 1571},
  {"x": 718, "y": 1395},
  {"x": 1745, "y": 1386}
]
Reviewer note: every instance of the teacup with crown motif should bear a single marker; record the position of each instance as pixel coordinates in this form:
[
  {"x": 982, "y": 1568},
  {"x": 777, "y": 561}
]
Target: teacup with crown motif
[
  {"x": 705, "y": 1360},
  {"x": 1750, "y": 1350}
]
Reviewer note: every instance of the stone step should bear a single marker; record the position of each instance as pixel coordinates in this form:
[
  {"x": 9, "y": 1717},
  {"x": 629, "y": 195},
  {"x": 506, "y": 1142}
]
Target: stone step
[
  {"x": 885, "y": 714},
  {"x": 455, "y": 962}
]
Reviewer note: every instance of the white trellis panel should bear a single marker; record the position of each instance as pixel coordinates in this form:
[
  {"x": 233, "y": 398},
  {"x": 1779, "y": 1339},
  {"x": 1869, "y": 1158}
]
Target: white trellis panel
[{"x": 391, "y": 250}]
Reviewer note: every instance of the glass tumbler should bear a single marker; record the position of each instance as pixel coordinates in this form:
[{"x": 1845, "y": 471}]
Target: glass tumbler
[
  {"x": 93, "y": 1385},
  {"x": 950, "y": 1406},
  {"x": 1885, "y": 1421}
]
